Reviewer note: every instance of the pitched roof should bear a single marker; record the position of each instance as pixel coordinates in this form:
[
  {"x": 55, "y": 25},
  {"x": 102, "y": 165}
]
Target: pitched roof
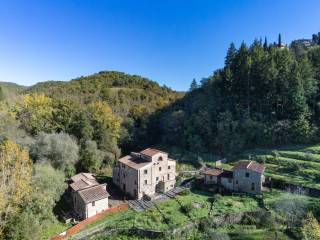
[
  {"x": 150, "y": 152},
  {"x": 252, "y": 165},
  {"x": 219, "y": 173},
  {"x": 83, "y": 181},
  {"x": 82, "y": 175},
  {"x": 94, "y": 193},
  {"x": 134, "y": 161},
  {"x": 213, "y": 172}
]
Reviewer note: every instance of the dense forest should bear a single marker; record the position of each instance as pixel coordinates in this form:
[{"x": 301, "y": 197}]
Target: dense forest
[{"x": 265, "y": 95}]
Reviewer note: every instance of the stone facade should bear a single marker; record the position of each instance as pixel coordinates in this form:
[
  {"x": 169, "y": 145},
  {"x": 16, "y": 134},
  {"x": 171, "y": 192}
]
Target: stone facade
[
  {"x": 246, "y": 176},
  {"x": 145, "y": 173}
]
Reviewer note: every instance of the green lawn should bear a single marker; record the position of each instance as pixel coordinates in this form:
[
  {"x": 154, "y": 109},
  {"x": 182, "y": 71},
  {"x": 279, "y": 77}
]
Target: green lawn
[
  {"x": 201, "y": 201},
  {"x": 54, "y": 228},
  {"x": 171, "y": 210}
]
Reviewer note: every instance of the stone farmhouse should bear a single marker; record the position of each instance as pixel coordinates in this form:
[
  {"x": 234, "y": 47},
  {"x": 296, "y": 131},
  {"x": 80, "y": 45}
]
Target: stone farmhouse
[
  {"x": 88, "y": 196},
  {"x": 246, "y": 176},
  {"x": 145, "y": 173}
]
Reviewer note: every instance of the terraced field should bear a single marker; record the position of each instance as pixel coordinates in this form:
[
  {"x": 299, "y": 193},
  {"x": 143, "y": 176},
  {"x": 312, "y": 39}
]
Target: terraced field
[{"x": 295, "y": 164}]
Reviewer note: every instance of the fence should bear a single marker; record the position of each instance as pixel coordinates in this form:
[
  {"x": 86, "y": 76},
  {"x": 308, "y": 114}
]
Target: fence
[{"x": 82, "y": 225}]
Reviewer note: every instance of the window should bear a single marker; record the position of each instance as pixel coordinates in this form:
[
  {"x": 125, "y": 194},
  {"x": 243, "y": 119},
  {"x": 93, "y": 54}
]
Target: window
[
  {"x": 160, "y": 169},
  {"x": 135, "y": 182},
  {"x": 145, "y": 171},
  {"x": 237, "y": 182},
  {"x": 157, "y": 178},
  {"x": 252, "y": 186},
  {"x": 160, "y": 158},
  {"x": 229, "y": 180},
  {"x": 145, "y": 181},
  {"x": 93, "y": 203},
  {"x": 169, "y": 167},
  {"x": 168, "y": 176},
  {"x": 210, "y": 177},
  {"x": 247, "y": 174}
]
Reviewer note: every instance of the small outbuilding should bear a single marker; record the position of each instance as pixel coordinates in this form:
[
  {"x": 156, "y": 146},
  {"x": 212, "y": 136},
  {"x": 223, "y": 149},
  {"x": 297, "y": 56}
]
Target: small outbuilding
[{"x": 88, "y": 196}]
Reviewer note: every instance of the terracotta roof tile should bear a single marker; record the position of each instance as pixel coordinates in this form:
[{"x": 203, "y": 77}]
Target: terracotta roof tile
[
  {"x": 82, "y": 181},
  {"x": 213, "y": 172},
  {"x": 254, "y": 166},
  {"x": 150, "y": 152},
  {"x": 94, "y": 193},
  {"x": 134, "y": 161}
]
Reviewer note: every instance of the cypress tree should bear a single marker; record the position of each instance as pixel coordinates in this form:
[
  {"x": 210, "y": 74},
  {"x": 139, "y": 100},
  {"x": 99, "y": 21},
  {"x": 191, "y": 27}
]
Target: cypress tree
[
  {"x": 279, "y": 40},
  {"x": 265, "y": 44}
]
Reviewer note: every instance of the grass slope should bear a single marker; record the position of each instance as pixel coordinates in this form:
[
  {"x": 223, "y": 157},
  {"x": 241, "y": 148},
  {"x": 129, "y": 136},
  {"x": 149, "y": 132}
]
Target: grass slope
[{"x": 295, "y": 164}]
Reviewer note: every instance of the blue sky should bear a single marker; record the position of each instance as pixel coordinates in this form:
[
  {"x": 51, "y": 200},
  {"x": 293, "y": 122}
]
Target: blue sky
[{"x": 168, "y": 41}]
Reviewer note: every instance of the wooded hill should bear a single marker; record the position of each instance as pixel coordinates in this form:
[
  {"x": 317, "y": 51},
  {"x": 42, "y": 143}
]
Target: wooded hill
[
  {"x": 128, "y": 95},
  {"x": 265, "y": 95}
]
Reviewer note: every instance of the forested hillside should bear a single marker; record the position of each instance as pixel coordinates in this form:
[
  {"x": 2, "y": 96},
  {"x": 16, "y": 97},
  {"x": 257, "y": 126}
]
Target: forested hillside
[
  {"x": 9, "y": 90},
  {"x": 265, "y": 95},
  {"x": 52, "y": 130}
]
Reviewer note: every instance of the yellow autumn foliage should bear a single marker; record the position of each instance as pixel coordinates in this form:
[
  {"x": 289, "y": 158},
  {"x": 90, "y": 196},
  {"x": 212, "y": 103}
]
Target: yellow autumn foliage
[
  {"x": 104, "y": 119},
  {"x": 311, "y": 228},
  {"x": 15, "y": 179},
  {"x": 35, "y": 113}
]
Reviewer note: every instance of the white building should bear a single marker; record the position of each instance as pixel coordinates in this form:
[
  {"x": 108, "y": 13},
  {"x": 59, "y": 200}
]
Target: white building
[
  {"x": 88, "y": 196},
  {"x": 145, "y": 173}
]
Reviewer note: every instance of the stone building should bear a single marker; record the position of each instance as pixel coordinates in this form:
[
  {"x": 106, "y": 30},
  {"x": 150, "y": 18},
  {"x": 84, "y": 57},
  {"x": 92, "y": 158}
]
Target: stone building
[
  {"x": 88, "y": 196},
  {"x": 246, "y": 176},
  {"x": 145, "y": 173}
]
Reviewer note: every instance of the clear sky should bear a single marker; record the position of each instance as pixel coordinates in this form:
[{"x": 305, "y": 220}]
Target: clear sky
[{"x": 168, "y": 41}]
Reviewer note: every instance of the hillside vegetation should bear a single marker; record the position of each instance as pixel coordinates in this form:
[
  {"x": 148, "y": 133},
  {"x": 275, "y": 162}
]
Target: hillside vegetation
[
  {"x": 299, "y": 165},
  {"x": 52, "y": 130},
  {"x": 10, "y": 90},
  {"x": 264, "y": 96}
]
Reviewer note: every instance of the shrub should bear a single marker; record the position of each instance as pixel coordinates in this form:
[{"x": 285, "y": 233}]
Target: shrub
[
  {"x": 217, "y": 198},
  {"x": 187, "y": 208},
  {"x": 249, "y": 220},
  {"x": 185, "y": 192}
]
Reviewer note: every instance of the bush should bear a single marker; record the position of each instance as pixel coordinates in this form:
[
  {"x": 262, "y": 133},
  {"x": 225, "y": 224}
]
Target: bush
[
  {"x": 187, "y": 208},
  {"x": 249, "y": 220},
  {"x": 185, "y": 192}
]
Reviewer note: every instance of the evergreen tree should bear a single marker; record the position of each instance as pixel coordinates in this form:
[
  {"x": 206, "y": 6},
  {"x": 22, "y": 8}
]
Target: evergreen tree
[
  {"x": 193, "y": 85},
  {"x": 279, "y": 40},
  {"x": 265, "y": 44},
  {"x": 231, "y": 53}
]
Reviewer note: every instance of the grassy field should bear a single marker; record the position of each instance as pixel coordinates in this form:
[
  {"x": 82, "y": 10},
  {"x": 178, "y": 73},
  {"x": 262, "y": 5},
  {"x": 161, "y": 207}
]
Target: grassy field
[
  {"x": 295, "y": 164},
  {"x": 201, "y": 201},
  {"x": 170, "y": 214},
  {"x": 171, "y": 210}
]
